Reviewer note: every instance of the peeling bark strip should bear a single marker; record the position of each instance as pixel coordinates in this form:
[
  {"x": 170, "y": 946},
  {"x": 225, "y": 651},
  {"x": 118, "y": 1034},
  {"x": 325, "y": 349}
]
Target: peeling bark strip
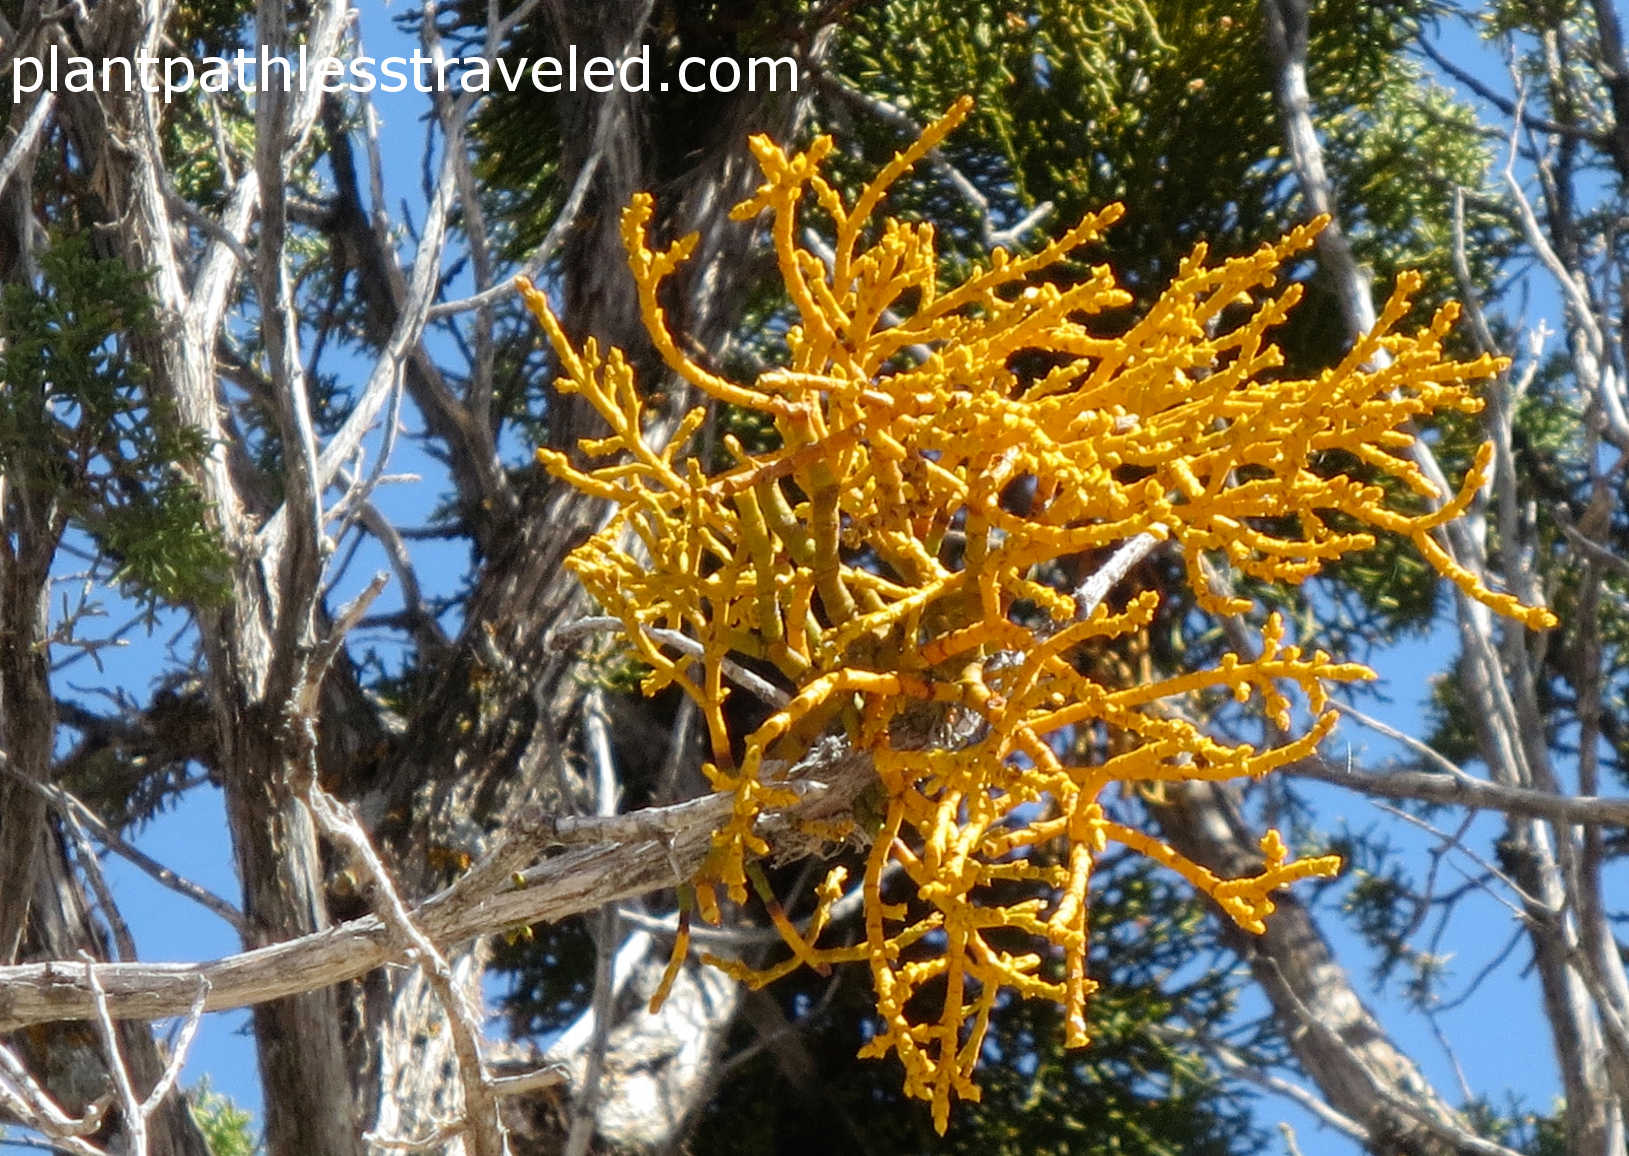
[{"x": 569, "y": 884}]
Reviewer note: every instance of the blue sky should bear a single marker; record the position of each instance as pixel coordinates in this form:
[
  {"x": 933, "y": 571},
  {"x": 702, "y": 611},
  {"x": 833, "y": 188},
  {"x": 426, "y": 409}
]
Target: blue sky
[{"x": 1507, "y": 1050}]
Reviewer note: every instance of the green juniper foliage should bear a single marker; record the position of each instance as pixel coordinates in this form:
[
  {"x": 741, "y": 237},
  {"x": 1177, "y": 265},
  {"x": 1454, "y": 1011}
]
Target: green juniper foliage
[
  {"x": 1175, "y": 101},
  {"x": 81, "y": 434},
  {"x": 228, "y": 1129}
]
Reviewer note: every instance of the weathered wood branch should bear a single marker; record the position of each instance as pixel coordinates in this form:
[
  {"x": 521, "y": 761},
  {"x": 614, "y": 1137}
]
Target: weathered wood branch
[
  {"x": 1344, "y": 1050},
  {"x": 1476, "y": 794},
  {"x": 640, "y": 852}
]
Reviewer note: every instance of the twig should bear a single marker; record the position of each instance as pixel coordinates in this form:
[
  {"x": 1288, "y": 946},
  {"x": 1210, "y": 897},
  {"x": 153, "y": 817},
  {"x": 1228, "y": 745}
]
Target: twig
[
  {"x": 1425, "y": 750},
  {"x": 133, "y": 1119},
  {"x": 1487, "y": 969},
  {"x": 1468, "y": 791},
  {"x": 124, "y": 943},
  {"x": 68, "y": 804},
  {"x": 769, "y": 1039},
  {"x": 1499, "y": 101},
  {"x": 24, "y": 1098},
  {"x": 580, "y": 1032},
  {"x": 1090, "y": 593},
  {"x": 1526, "y": 917},
  {"x": 734, "y": 671},
  {"x": 350, "y": 614},
  {"x": 1594, "y": 369},
  {"x": 1290, "y": 1090},
  {"x": 586, "y": 1103},
  {"x": 1465, "y": 1092},
  {"x": 178, "y": 1054},
  {"x": 548, "y": 1076},
  {"x": 401, "y": 561},
  {"x": 482, "y": 1126},
  {"x": 439, "y": 1135},
  {"x": 1593, "y": 551},
  {"x": 566, "y": 219},
  {"x": 1462, "y": 279},
  {"x": 653, "y": 824},
  {"x": 897, "y": 118},
  {"x": 701, "y": 933},
  {"x": 28, "y": 1142}
]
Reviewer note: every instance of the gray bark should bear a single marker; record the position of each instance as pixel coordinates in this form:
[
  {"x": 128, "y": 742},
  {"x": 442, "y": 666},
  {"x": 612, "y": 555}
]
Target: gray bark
[
  {"x": 1336, "y": 1039},
  {"x": 512, "y": 754},
  {"x": 1340, "y": 1047}
]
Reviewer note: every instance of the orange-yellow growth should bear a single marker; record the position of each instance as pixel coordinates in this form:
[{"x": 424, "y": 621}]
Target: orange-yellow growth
[{"x": 871, "y": 559}]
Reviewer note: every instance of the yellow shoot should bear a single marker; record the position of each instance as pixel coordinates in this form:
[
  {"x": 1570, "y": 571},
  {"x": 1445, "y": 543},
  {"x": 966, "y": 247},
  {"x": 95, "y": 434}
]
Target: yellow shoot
[{"x": 872, "y": 561}]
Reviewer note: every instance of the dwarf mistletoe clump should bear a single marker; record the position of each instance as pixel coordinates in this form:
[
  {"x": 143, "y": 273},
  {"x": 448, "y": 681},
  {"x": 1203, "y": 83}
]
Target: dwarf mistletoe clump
[{"x": 870, "y": 558}]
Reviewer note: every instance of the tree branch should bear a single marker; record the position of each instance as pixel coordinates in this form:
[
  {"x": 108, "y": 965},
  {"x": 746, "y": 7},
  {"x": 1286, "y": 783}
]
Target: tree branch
[{"x": 663, "y": 847}]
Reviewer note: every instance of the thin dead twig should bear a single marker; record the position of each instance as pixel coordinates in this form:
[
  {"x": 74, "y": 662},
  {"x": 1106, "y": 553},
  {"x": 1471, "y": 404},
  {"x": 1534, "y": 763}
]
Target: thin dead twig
[
  {"x": 734, "y": 671},
  {"x": 586, "y": 1103},
  {"x": 481, "y": 1125},
  {"x": 67, "y": 804},
  {"x": 23, "y": 1097}
]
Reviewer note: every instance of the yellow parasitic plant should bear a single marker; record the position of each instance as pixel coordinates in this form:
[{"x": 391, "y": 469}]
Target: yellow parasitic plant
[{"x": 872, "y": 560}]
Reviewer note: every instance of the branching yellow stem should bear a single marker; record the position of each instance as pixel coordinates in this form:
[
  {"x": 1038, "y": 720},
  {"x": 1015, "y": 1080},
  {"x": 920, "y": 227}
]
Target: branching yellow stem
[{"x": 873, "y": 559}]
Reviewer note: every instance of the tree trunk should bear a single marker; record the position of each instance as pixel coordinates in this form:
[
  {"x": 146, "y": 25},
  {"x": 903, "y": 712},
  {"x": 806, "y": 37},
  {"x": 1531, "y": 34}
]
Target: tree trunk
[
  {"x": 481, "y": 754},
  {"x": 1336, "y": 1039}
]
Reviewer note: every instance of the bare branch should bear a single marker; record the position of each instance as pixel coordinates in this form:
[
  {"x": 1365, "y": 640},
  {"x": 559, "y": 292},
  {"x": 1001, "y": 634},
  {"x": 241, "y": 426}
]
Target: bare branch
[
  {"x": 1467, "y": 791},
  {"x": 135, "y": 1124},
  {"x": 124, "y": 943},
  {"x": 634, "y": 853},
  {"x": 24, "y": 1098},
  {"x": 1593, "y": 551},
  {"x": 1303, "y": 1097},
  {"x": 1497, "y": 99},
  {"x": 586, "y": 1102},
  {"x": 178, "y": 1055},
  {"x": 1090, "y": 594},
  {"x": 733, "y": 670},
  {"x": 1452, "y": 841},
  {"x": 1425, "y": 750},
  {"x": 483, "y": 1128},
  {"x": 897, "y": 118},
  {"x": 113, "y": 841},
  {"x": 322, "y": 656},
  {"x": 548, "y": 1076},
  {"x": 1589, "y": 354}
]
